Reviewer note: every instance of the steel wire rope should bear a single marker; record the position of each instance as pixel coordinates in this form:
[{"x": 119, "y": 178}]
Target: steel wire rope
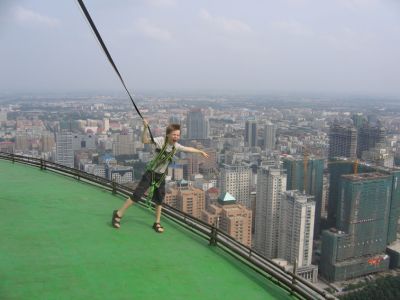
[{"x": 110, "y": 59}]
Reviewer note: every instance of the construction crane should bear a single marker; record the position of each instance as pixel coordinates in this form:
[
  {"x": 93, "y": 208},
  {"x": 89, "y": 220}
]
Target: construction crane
[
  {"x": 355, "y": 162},
  {"x": 355, "y": 167}
]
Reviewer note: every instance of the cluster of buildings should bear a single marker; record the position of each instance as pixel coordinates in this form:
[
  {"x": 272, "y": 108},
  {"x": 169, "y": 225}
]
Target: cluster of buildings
[{"x": 316, "y": 191}]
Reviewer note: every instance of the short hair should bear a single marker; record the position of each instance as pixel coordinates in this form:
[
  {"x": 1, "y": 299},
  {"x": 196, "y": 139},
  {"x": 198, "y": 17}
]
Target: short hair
[{"x": 172, "y": 127}]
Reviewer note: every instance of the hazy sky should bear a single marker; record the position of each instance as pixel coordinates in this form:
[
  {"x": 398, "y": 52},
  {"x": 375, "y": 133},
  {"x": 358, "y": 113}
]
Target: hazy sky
[{"x": 342, "y": 46}]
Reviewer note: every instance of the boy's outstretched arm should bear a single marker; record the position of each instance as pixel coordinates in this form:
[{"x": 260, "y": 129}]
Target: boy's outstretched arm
[{"x": 194, "y": 150}]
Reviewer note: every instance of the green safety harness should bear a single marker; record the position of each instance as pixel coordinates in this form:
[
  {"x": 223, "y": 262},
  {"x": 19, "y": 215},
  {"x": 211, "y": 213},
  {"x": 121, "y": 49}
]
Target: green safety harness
[{"x": 162, "y": 157}]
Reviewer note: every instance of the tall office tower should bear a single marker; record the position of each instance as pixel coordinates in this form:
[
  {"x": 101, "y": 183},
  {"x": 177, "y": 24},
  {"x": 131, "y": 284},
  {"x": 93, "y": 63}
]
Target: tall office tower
[
  {"x": 123, "y": 145},
  {"x": 190, "y": 200},
  {"x": 269, "y": 136},
  {"x": 235, "y": 180},
  {"x": 306, "y": 174},
  {"x": 64, "y": 152},
  {"x": 359, "y": 120},
  {"x": 250, "y": 134},
  {"x": 356, "y": 246},
  {"x": 369, "y": 137},
  {"x": 231, "y": 217},
  {"x": 342, "y": 141},
  {"x": 296, "y": 232},
  {"x": 271, "y": 184},
  {"x": 197, "y": 125}
]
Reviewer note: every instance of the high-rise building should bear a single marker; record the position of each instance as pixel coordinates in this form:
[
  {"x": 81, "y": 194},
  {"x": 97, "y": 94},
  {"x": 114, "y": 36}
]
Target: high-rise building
[
  {"x": 356, "y": 247},
  {"x": 175, "y": 120},
  {"x": 342, "y": 141},
  {"x": 171, "y": 196},
  {"x": 230, "y": 217},
  {"x": 106, "y": 124},
  {"x": 186, "y": 198},
  {"x": 296, "y": 232},
  {"x": 269, "y": 136},
  {"x": 208, "y": 166},
  {"x": 271, "y": 184},
  {"x": 47, "y": 142},
  {"x": 119, "y": 174},
  {"x": 369, "y": 137},
  {"x": 3, "y": 116},
  {"x": 380, "y": 155},
  {"x": 197, "y": 125},
  {"x": 7, "y": 147},
  {"x": 250, "y": 134},
  {"x": 22, "y": 141},
  {"x": 339, "y": 167},
  {"x": 359, "y": 120},
  {"x": 83, "y": 142},
  {"x": 64, "y": 152},
  {"x": 235, "y": 180},
  {"x": 309, "y": 172},
  {"x": 123, "y": 145},
  {"x": 175, "y": 171}
]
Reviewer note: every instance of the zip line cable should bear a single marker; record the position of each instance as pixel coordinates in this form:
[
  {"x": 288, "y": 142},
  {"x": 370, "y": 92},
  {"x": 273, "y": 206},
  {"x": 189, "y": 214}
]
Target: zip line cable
[{"x": 103, "y": 46}]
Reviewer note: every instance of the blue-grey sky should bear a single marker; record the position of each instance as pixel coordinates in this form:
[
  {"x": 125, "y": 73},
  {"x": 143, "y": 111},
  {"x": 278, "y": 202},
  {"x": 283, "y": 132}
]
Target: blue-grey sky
[{"x": 340, "y": 46}]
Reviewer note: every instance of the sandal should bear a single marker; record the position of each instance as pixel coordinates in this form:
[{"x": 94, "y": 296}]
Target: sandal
[
  {"x": 158, "y": 228},
  {"x": 114, "y": 222}
]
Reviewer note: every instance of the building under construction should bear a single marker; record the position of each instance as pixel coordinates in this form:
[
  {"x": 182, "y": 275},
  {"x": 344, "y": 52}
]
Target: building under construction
[
  {"x": 342, "y": 141},
  {"x": 367, "y": 210}
]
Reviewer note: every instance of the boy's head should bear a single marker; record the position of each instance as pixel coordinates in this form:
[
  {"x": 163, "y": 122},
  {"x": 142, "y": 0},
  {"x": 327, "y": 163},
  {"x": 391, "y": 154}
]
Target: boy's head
[{"x": 173, "y": 132}]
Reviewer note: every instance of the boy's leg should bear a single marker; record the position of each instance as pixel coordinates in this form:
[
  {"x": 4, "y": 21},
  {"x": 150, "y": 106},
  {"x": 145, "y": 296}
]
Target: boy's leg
[
  {"x": 121, "y": 211},
  {"x": 158, "y": 212},
  {"x": 158, "y": 217},
  {"x": 118, "y": 214},
  {"x": 158, "y": 199},
  {"x": 137, "y": 194}
]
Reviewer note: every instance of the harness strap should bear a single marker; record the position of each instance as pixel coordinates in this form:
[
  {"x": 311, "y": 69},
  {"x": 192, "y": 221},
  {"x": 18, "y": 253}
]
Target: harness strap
[{"x": 157, "y": 161}]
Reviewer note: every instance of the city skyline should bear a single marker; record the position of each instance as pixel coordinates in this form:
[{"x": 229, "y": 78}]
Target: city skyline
[{"x": 342, "y": 47}]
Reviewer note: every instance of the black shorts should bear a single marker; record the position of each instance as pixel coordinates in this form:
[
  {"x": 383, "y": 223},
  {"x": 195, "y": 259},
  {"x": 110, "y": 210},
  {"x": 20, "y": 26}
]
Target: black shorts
[{"x": 144, "y": 184}]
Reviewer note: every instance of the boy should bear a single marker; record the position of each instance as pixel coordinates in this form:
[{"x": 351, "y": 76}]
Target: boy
[{"x": 154, "y": 177}]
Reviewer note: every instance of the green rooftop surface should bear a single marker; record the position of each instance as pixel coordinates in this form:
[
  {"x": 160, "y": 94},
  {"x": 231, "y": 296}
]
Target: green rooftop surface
[{"x": 56, "y": 242}]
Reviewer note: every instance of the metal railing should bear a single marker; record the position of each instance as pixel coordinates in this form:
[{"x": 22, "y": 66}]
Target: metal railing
[{"x": 289, "y": 281}]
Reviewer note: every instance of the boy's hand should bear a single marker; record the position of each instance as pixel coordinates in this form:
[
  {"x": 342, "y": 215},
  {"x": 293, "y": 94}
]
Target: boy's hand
[
  {"x": 145, "y": 123},
  {"x": 204, "y": 154}
]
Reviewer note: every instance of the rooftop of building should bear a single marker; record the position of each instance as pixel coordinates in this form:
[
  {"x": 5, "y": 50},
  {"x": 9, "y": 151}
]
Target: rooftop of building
[
  {"x": 57, "y": 243},
  {"x": 365, "y": 176}
]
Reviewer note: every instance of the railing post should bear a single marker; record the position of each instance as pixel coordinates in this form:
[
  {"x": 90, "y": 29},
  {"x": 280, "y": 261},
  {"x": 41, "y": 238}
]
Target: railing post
[
  {"x": 41, "y": 164},
  {"x": 114, "y": 187},
  {"x": 13, "y": 158},
  {"x": 213, "y": 237},
  {"x": 294, "y": 276}
]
